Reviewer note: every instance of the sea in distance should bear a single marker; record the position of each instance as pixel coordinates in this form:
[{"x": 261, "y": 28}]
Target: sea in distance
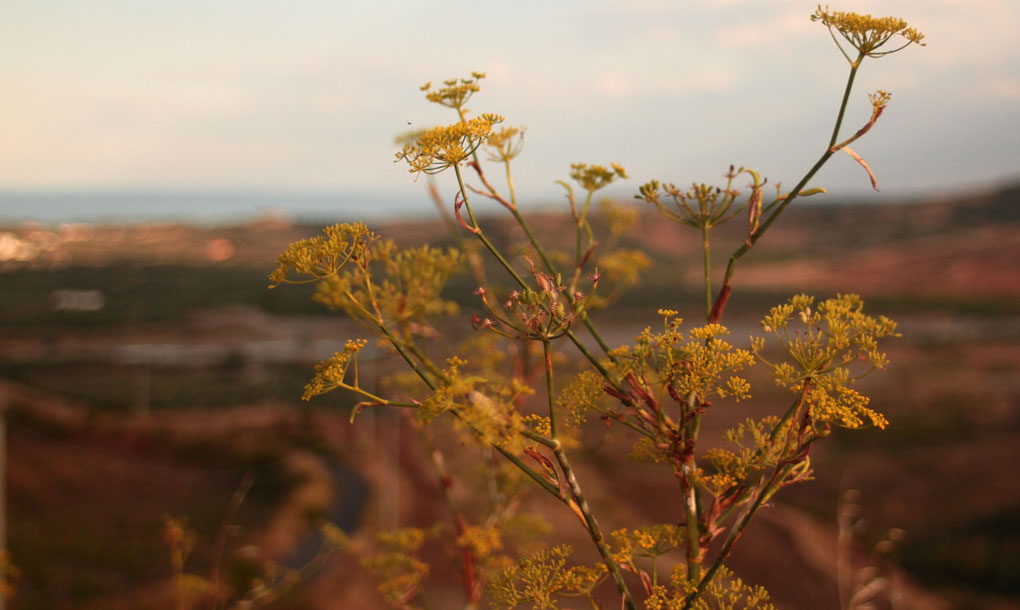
[
  {"x": 205, "y": 208},
  {"x": 52, "y": 207}
]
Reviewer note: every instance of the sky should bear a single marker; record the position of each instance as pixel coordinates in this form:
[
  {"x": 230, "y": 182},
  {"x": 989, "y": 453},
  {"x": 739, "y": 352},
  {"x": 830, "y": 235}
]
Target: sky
[{"x": 307, "y": 95}]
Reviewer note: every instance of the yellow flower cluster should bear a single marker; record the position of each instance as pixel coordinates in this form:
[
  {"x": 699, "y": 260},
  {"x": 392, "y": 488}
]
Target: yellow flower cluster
[
  {"x": 594, "y": 177},
  {"x": 455, "y": 92},
  {"x": 399, "y": 569},
  {"x": 480, "y": 404},
  {"x": 580, "y": 396},
  {"x": 483, "y": 541},
  {"x": 724, "y": 592},
  {"x": 621, "y": 269},
  {"x": 696, "y": 366},
  {"x": 414, "y": 280},
  {"x": 730, "y": 467},
  {"x": 506, "y": 144},
  {"x": 650, "y": 541},
  {"x": 831, "y": 401},
  {"x": 330, "y": 374},
  {"x": 409, "y": 291},
  {"x": 865, "y": 33},
  {"x": 539, "y": 579},
  {"x": 322, "y": 256},
  {"x": 447, "y": 145},
  {"x": 832, "y": 338},
  {"x": 538, "y": 423}
]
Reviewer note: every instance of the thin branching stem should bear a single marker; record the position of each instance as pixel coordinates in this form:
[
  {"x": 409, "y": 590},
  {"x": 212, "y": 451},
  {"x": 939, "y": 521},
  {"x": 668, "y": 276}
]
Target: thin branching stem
[
  {"x": 546, "y": 262},
  {"x": 549, "y": 389},
  {"x": 688, "y": 471},
  {"x": 846, "y": 99},
  {"x": 592, "y": 525},
  {"x": 785, "y": 202},
  {"x": 481, "y": 236},
  {"x": 765, "y": 492},
  {"x": 542, "y": 481},
  {"x": 782, "y": 469},
  {"x": 708, "y": 270}
]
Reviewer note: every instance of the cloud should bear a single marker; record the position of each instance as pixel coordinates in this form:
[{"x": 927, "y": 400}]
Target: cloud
[
  {"x": 784, "y": 26},
  {"x": 1001, "y": 87},
  {"x": 613, "y": 84}
]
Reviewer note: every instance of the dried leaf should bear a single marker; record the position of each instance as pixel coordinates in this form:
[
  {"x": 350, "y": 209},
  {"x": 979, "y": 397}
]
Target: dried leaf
[{"x": 864, "y": 164}]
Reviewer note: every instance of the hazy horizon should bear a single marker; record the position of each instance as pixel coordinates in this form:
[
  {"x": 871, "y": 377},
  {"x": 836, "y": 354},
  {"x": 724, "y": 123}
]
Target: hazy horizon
[
  {"x": 229, "y": 206},
  {"x": 258, "y": 97}
]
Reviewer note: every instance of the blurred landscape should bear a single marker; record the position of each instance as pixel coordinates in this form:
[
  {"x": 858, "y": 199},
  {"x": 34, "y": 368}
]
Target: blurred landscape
[{"x": 146, "y": 370}]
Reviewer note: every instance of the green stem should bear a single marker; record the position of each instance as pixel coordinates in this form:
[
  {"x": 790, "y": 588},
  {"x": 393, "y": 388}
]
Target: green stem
[
  {"x": 708, "y": 272},
  {"x": 691, "y": 515},
  {"x": 692, "y": 512},
  {"x": 510, "y": 185},
  {"x": 846, "y": 99},
  {"x": 582, "y": 219},
  {"x": 591, "y": 357},
  {"x": 481, "y": 236},
  {"x": 764, "y": 493},
  {"x": 735, "y": 534},
  {"x": 378, "y": 399},
  {"x": 406, "y": 356},
  {"x": 542, "y": 481},
  {"x": 731, "y": 266},
  {"x": 549, "y": 389},
  {"x": 593, "y": 528},
  {"x": 541, "y": 439},
  {"x": 535, "y": 244},
  {"x": 724, "y": 553},
  {"x": 432, "y": 386},
  {"x": 420, "y": 355},
  {"x": 598, "y": 338},
  {"x": 534, "y": 241}
]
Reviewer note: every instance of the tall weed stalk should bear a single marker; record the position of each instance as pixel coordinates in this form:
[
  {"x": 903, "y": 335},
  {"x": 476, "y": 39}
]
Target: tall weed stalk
[{"x": 525, "y": 386}]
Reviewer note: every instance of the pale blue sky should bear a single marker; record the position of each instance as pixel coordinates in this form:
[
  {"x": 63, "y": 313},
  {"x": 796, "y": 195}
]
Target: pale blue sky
[{"x": 307, "y": 95}]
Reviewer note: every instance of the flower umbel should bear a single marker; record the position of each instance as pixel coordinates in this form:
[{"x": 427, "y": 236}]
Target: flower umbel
[
  {"x": 594, "y": 177},
  {"x": 702, "y": 205},
  {"x": 442, "y": 147},
  {"x": 323, "y": 256},
  {"x": 455, "y": 92},
  {"x": 834, "y": 344},
  {"x": 506, "y": 144},
  {"x": 865, "y": 33},
  {"x": 331, "y": 374}
]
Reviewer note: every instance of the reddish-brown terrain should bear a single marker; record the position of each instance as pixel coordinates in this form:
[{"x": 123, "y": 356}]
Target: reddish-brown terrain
[{"x": 190, "y": 374}]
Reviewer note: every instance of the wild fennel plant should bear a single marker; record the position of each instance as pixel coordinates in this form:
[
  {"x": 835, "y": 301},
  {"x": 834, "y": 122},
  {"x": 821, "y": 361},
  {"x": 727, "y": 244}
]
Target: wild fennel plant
[{"x": 504, "y": 389}]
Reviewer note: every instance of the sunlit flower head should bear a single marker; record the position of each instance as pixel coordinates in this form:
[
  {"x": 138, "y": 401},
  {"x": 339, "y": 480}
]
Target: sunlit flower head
[
  {"x": 506, "y": 144},
  {"x": 441, "y": 147},
  {"x": 594, "y": 177},
  {"x": 455, "y": 92},
  {"x": 865, "y": 33}
]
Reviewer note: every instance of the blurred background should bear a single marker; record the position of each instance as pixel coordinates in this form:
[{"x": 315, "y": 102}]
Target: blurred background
[{"x": 159, "y": 156}]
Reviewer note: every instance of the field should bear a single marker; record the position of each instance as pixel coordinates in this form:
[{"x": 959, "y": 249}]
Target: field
[{"x": 187, "y": 380}]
